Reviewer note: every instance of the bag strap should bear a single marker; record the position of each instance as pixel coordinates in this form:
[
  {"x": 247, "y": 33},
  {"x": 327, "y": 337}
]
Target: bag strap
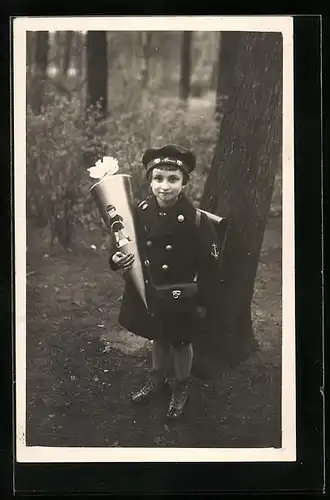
[
  {"x": 198, "y": 218},
  {"x": 198, "y": 223}
]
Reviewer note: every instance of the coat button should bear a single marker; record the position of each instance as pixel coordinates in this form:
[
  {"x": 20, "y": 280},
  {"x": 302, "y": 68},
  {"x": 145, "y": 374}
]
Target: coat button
[
  {"x": 168, "y": 248},
  {"x": 180, "y": 218},
  {"x": 164, "y": 267},
  {"x": 146, "y": 263},
  {"x": 148, "y": 243}
]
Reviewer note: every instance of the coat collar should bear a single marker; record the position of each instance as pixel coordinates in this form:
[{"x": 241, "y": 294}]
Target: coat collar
[{"x": 157, "y": 225}]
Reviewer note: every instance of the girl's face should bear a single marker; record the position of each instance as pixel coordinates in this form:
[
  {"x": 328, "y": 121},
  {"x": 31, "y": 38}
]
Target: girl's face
[{"x": 166, "y": 185}]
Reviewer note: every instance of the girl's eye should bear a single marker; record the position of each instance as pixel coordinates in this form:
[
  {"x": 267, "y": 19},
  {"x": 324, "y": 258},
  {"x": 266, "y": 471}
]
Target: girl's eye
[
  {"x": 158, "y": 178},
  {"x": 173, "y": 179}
]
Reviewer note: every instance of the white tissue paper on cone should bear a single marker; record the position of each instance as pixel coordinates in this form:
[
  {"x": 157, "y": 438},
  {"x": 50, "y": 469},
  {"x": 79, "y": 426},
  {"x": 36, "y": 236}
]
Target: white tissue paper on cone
[{"x": 107, "y": 166}]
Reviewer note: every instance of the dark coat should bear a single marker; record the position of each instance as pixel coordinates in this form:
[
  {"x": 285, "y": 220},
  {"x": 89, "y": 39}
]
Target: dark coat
[{"x": 172, "y": 238}]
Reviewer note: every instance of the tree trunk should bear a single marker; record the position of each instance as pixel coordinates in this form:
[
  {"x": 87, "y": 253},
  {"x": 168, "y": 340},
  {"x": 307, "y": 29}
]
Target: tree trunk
[
  {"x": 146, "y": 43},
  {"x": 240, "y": 184},
  {"x": 67, "y": 51},
  {"x": 41, "y": 62},
  {"x": 30, "y": 52},
  {"x": 185, "y": 67},
  {"x": 78, "y": 49},
  {"x": 97, "y": 69},
  {"x": 228, "y": 58}
]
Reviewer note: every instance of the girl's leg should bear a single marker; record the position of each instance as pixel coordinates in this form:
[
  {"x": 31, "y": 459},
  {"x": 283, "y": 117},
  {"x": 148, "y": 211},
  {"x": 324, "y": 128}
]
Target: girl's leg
[
  {"x": 160, "y": 353},
  {"x": 157, "y": 381},
  {"x": 183, "y": 357}
]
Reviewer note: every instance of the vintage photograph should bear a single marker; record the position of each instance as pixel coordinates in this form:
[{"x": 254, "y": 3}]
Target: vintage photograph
[{"x": 154, "y": 239}]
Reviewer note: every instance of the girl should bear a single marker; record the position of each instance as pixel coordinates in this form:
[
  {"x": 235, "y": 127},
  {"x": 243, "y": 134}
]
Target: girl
[{"x": 177, "y": 250}]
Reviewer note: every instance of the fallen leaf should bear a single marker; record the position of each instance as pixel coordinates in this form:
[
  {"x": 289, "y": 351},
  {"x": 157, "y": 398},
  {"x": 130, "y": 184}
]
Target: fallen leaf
[
  {"x": 158, "y": 439},
  {"x": 78, "y": 303}
]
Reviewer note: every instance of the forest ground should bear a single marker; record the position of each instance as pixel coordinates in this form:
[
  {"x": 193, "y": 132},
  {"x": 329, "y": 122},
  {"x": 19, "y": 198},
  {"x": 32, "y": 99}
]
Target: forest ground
[{"x": 81, "y": 366}]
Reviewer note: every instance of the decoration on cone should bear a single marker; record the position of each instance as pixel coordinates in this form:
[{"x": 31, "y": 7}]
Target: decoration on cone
[
  {"x": 108, "y": 165},
  {"x": 117, "y": 227}
]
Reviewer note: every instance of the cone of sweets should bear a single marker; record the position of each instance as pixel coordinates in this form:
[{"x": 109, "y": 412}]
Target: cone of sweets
[{"x": 113, "y": 195}]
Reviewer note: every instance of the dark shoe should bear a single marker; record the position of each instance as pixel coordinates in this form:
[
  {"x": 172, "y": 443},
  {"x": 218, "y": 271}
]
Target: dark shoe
[
  {"x": 152, "y": 387},
  {"x": 178, "y": 400}
]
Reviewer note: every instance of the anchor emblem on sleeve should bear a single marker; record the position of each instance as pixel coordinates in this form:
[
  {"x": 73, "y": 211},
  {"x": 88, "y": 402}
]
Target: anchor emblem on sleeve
[{"x": 215, "y": 251}]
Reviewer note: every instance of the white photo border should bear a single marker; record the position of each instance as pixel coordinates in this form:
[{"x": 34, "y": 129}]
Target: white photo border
[{"x": 287, "y": 452}]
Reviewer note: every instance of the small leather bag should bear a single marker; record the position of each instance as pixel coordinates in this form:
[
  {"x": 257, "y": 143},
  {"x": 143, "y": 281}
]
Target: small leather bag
[{"x": 176, "y": 298}]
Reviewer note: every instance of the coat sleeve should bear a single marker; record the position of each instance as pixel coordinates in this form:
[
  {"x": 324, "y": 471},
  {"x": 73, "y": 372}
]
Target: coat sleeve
[{"x": 209, "y": 280}]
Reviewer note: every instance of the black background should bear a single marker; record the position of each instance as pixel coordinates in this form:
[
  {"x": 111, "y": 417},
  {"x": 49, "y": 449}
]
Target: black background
[{"x": 304, "y": 475}]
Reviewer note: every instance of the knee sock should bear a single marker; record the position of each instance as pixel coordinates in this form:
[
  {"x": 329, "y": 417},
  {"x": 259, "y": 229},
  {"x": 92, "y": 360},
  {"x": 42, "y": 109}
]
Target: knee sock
[{"x": 183, "y": 357}]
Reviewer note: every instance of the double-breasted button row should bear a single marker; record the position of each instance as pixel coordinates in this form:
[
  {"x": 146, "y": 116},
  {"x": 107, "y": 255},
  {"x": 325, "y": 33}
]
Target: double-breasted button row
[
  {"x": 165, "y": 267},
  {"x": 167, "y": 247}
]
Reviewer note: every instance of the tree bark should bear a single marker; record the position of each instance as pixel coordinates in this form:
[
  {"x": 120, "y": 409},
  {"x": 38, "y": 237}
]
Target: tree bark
[
  {"x": 228, "y": 58},
  {"x": 67, "y": 51},
  {"x": 240, "y": 183},
  {"x": 146, "y": 43},
  {"x": 30, "y": 51},
  {"x": 41, "y": 63},
  {"x": 97, "y": 70},
  {"x": 185, "y": 67}
]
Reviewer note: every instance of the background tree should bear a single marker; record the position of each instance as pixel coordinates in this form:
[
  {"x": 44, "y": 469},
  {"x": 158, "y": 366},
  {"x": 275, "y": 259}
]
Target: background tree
[
  {"x": 97, "y": 69},
  {"x": 227, "y": 59},
  {"x": 240, "y": 184},
  {"x": 146, "y": 44},
  {"x": 41, "y": 63},
  {"x": 30, "y": 51},
  {"x": 185, "y": 66},
  {"x": 68, "y": 40}
]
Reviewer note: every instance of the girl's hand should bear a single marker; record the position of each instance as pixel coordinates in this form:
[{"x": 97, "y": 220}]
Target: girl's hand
[{"x": 122, "y": 260}]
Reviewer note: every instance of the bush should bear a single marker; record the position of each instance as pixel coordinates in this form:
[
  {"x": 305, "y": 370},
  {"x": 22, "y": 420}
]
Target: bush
[
  {"x": 63, "y": 141},
  {"x": 59, "y": 142}
]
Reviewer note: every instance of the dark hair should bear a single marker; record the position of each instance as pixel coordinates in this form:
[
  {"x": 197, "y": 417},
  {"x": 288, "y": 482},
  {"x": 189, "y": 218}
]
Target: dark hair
[{"x": 170, "y": 168}]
